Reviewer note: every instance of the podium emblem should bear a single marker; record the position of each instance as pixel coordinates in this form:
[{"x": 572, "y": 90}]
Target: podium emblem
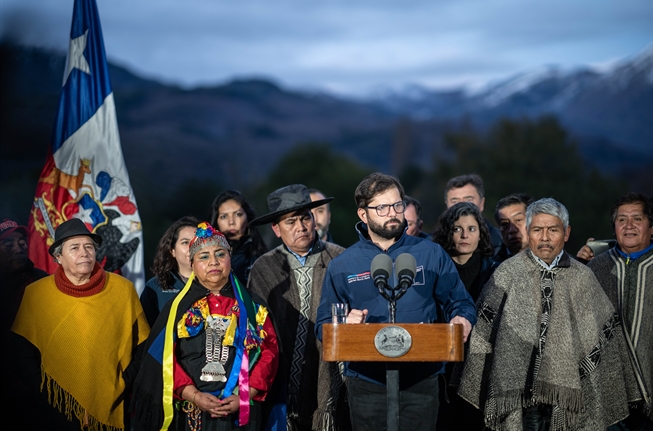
[{"x": 393, "y": 341}]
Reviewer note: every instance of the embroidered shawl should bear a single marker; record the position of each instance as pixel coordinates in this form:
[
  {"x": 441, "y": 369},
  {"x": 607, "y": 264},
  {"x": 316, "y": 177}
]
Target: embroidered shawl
[{"x": 152, "y": 403}]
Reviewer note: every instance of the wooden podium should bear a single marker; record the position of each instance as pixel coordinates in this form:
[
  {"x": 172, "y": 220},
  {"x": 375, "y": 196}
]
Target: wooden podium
[
  {"x": 426, "y": 342},
  {"x": 431, "y": 342}
]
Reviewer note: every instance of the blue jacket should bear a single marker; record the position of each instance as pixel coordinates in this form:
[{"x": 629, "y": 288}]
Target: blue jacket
[{"x": 436, "y": 286}]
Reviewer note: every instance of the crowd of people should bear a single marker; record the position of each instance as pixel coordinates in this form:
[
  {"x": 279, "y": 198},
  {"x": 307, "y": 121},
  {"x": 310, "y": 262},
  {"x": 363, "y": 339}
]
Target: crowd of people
[{"x": 228, "y": 334}]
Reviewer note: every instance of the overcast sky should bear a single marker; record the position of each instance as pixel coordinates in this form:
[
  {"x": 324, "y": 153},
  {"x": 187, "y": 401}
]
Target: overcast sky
[{"x": 346, "y": 46}]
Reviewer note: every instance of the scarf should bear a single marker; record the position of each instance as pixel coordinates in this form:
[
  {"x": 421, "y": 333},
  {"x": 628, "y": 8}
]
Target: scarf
[
  {"x": 79, "y": 365},
  {"x": 152, "y": 402},
  {"x": 94, "y": 285},
  {"x": 545, "y": 337}
]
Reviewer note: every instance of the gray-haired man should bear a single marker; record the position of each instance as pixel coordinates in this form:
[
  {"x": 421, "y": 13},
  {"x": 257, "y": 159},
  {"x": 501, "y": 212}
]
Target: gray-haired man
[{"x": 545, "y": 353}]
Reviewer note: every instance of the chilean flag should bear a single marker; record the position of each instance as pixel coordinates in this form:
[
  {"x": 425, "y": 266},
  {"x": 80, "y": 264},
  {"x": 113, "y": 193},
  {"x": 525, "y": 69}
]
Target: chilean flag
[{"x": 85, "y": 175}]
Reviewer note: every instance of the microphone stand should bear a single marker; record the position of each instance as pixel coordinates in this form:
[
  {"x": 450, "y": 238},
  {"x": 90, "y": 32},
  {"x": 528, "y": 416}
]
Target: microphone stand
[{"x": 392, "y": 295}]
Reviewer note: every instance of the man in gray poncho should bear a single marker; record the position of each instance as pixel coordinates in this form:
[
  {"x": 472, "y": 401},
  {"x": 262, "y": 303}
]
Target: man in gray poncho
[
  {"x": 289, "y": 278},
  {"x": 626, "y": 274},
  {"x": 545, "y": 353}
]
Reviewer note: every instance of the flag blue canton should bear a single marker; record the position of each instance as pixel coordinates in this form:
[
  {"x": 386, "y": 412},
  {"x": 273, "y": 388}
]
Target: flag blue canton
[{"x": 92, "y": 88}]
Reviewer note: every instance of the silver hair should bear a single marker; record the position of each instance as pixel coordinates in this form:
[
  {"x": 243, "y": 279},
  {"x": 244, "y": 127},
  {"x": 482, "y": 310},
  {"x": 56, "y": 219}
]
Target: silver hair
[
  {"x": 58, "y": 249},
  {"x": 547, "y": 206}
]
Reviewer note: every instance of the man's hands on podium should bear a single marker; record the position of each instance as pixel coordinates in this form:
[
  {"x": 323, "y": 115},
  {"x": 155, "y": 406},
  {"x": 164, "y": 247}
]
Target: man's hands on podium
[
  {"x": 467, "y": 327},
  {"x": 357, "y": 316}
]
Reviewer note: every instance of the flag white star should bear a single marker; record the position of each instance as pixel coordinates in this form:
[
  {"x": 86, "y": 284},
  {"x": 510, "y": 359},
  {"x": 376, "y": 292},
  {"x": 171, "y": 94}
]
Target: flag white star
[{"x": 76, "y": 59}]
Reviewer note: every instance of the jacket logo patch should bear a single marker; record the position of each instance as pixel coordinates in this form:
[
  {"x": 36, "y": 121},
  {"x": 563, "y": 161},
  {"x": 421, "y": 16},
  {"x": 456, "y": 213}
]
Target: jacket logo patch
[
  {"x": 358, "y": 277},
  {"x": 419, "y": 276}
]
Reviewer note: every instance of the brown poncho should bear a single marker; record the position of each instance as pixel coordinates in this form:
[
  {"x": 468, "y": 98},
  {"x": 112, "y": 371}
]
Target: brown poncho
[{"x": 276, "y": 277}]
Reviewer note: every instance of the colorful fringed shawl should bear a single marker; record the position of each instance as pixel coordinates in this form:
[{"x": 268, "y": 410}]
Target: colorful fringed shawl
[{"x": 184, "y": 317}]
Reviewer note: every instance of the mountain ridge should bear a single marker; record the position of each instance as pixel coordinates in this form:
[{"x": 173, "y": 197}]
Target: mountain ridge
[{"x": 237, "y": 131}]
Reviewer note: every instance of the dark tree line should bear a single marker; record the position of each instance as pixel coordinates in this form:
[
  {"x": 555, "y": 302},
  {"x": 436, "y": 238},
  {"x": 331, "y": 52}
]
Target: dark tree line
[{"x": 533, "y": 156}]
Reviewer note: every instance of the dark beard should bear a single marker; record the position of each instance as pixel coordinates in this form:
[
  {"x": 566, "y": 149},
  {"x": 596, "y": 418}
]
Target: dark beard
[{"x": 384, "y": 232}]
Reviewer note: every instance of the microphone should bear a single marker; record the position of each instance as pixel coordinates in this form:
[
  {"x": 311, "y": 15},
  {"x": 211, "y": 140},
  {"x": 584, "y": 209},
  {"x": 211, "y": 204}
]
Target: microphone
[
  {"x": 406, "y": 267},
  {"x": 381, "y": 268}
]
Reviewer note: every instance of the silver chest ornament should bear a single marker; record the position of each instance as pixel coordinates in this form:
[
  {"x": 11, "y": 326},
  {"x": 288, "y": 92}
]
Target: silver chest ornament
[{"x": 216, "y": 353}]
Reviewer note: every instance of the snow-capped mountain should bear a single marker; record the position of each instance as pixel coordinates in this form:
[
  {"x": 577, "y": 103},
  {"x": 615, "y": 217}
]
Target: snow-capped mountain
[{"x": 615, "y": 103}]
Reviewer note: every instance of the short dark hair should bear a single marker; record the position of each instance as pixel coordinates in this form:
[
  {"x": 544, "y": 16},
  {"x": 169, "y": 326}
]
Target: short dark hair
[
  {"x": 317, "y": 191},
  {"x": 462, "y": 181},
  {"x": 513, "y": 199},
  {"x": 443, "y": 234},
  {"x": 375, "y": 184},
  {"x": 633, "y": 198},
  {"x": 414, "y": 202}
]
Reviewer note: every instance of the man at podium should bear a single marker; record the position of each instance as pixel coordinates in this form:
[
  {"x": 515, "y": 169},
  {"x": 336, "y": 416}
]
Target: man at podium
[{"x": 436, "y": 286}]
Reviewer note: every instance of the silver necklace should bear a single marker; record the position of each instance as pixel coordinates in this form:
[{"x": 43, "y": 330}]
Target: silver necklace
[{"x": 216, "y": 353}]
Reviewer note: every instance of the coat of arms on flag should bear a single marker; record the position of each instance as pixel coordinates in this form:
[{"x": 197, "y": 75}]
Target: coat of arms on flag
[{"x": 85, "y": 175}]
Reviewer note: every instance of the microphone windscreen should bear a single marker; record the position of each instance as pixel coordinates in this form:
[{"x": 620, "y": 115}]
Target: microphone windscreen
[
  {"x": 381, "y": 266},
  {"x": 406, "y": 265}
]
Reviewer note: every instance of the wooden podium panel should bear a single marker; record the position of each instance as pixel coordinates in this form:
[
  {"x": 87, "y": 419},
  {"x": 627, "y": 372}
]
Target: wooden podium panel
[{"x": 431, "y": 342}]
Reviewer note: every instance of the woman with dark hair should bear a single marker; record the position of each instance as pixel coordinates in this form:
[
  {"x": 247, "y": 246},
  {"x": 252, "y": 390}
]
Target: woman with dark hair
[
  {"x": 231, "y": 214},
  {"x": 171, "y": 267},
  {"x": 212, "y": 354},
  {"x": 462, "y": 232}
]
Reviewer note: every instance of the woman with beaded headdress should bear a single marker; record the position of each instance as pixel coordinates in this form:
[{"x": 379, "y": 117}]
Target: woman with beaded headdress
[{"x": 212, "y": 354}]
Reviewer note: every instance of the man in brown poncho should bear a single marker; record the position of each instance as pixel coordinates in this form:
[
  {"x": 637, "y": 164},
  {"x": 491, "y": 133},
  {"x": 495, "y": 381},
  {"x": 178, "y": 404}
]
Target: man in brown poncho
[{"x": 289, "y": 278}]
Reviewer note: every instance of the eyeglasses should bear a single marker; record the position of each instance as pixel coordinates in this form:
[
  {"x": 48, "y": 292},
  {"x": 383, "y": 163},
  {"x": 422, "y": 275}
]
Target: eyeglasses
[{"x": 383, "y": 210}]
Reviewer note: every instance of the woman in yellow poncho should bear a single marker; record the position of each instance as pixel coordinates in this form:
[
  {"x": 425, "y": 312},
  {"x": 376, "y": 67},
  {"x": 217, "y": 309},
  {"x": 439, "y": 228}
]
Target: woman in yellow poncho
[{"x": 76, "y": 334}]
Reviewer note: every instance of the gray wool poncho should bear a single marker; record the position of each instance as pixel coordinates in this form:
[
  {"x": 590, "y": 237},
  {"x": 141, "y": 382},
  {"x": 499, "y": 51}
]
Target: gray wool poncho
[{"x": 575, "y": 366}]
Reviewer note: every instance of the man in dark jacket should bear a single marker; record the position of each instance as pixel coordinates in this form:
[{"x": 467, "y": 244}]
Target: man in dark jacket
[
  {"x": 510, "y": 215},
  {"x": 16, "y": 270},
  {"x": 381, "y": 206}
]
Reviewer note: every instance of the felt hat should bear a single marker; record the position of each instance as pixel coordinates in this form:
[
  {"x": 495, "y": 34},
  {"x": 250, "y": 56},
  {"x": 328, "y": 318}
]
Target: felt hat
[
  {"x": 8, "y": 226},
  {"x": 294, "y": 197},
  {"x": 70, "y": 228}
]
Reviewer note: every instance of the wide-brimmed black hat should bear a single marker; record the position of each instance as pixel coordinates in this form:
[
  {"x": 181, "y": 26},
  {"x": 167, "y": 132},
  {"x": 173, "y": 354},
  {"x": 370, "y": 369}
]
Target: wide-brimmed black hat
[
  {"x": 70, "y": 228},
  {"x": 294, "y": 197}
]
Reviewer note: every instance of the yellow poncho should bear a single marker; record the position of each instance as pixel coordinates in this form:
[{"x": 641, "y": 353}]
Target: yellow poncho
[{"x": 85, "y": 343}]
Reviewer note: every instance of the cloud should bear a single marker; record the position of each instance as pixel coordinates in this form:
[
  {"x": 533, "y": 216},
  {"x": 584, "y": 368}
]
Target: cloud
[{"x": 347, "y": 45}]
